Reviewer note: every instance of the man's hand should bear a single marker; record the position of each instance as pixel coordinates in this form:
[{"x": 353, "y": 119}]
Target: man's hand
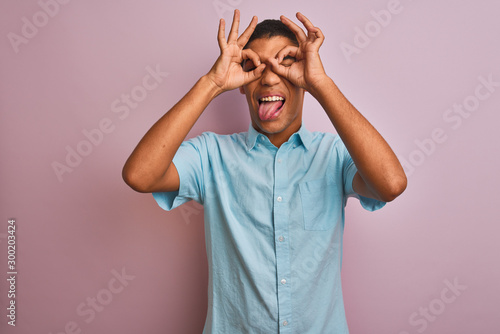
[
  {"x": 150, "y": 168},
  {"x": 227, "y": 73},
  {"x": 307, "y": 71},
  {"x": 380, "y": 175}
]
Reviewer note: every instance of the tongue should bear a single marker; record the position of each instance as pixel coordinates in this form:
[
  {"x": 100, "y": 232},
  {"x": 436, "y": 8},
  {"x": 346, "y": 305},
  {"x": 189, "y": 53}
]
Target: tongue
[{"x": 267, "y": 109}]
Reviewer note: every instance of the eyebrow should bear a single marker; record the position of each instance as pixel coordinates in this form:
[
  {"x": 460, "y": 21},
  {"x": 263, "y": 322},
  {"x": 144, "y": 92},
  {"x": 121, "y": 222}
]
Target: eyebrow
[{"x": 286, "y": 58}]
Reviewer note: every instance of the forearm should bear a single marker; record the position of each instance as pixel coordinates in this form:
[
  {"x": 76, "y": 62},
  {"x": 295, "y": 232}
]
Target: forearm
[
  {"x": 149, "y": 168},
  {"x": 150, "y": 160},
  {"x": 377, "y": 164}
]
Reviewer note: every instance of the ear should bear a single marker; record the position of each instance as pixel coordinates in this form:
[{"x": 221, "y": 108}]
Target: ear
[{"x": 242, "y": 90}]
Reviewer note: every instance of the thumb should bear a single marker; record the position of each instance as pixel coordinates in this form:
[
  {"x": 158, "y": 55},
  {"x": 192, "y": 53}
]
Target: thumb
[
  {"x": 254, "y": 74},
  {"x": 277, "y": 68}
]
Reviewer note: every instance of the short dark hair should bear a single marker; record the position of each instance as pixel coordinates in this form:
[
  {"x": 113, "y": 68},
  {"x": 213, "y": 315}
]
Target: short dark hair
[{"x": 272, "y": 28}]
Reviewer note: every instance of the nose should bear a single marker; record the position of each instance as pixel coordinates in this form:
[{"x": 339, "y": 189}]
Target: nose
[{"x": 269, "y": 78}]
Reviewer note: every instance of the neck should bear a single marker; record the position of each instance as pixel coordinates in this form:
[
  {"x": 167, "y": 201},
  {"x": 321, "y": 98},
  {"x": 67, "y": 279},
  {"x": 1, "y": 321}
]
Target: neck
[{"x": 277, "y": 139}]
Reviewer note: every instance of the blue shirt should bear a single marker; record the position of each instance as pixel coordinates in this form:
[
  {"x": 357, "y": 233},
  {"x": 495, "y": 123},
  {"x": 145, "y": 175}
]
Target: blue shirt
[{"x": 274, "y": 220}]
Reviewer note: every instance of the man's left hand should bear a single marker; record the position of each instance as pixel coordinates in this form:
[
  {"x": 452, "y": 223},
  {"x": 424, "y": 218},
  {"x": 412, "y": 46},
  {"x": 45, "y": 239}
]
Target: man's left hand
[{"x": 307, "y": 71}]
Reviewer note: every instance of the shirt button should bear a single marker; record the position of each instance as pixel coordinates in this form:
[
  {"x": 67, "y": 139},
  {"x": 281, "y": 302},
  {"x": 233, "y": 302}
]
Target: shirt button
[
  {"x": 281, "y": 238},
  {"x": 279, "y": 199},
  {"x": 285, "y": 323},
  {"x": 283, "y": 281},
  {"x": 279, "y": 161}
]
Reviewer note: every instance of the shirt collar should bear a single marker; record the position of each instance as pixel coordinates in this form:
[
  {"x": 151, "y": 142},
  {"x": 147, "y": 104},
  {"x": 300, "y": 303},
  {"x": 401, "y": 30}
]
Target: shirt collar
[{"x": 303, "y": 136}]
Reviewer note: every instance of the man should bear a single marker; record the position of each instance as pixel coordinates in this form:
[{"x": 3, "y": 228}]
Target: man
[{"x": 274, "y": 196}]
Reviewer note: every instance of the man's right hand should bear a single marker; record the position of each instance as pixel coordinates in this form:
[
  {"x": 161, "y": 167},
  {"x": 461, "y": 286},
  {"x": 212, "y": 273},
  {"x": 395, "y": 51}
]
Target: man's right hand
[
  {"x": 149, "y": 168},
  {"x": 227, "y": 72}
]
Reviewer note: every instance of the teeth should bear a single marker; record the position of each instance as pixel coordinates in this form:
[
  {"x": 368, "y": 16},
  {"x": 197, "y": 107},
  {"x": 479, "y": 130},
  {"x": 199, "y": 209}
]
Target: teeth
[{"x": 272, "y": 98}]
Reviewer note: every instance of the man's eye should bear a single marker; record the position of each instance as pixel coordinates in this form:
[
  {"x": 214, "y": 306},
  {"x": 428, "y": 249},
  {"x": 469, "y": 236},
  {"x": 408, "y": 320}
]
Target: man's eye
[
  {"x": 248, "y": 66},
  {"x": 288, "y": 61}
]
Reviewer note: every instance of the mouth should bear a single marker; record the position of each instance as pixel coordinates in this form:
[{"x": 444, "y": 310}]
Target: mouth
[{"x": 270, "y": 107}]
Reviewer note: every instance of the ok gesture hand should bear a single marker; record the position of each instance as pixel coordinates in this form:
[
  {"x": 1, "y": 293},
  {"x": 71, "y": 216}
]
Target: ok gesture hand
[
  {"x": 307, "y": 71},
  {"x": 227, "y": 73}
]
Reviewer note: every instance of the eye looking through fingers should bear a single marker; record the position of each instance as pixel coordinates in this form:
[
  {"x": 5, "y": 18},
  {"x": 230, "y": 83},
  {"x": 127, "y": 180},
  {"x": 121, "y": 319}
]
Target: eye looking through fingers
[
  {"x": 248, "y": 65},
  {"x": 288, "y": 61}
]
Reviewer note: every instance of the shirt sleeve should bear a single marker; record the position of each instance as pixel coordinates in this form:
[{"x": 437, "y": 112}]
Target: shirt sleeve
[
  {"x": 189, "y": 160},
  {"x": 349, "y": 170}
]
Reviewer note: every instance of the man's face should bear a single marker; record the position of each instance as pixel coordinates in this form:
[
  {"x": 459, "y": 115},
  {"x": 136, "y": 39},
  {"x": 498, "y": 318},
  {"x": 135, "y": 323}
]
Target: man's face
[{"x": 278, "y": 119}]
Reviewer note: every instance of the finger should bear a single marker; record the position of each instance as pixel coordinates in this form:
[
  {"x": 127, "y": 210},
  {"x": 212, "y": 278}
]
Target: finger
[
  {"x": 277, "y": 68},
  {"x": 319, "y": 38},
  {"x": 298, "y": 32},
  {"x": 233, "y": 34},
  {"x": 255, "y": 74},
  {"x": 314, "y": 33},
  {"x": 289, "y": 50},
  {"x": 221, "y": 36},
  {"x": 242, "y": 41},
  {"x": 306, "y": 22},
  {"x": 252, "y": 55}
]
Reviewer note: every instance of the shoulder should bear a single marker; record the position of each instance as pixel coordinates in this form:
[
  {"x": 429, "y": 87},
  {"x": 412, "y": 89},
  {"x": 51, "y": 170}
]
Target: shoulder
[
  {"x": 325, "y": 140},
  {"x": 217, "y": 137},
  {"x": 330, "y": 147},
  {"x": 221, "y": 141}
]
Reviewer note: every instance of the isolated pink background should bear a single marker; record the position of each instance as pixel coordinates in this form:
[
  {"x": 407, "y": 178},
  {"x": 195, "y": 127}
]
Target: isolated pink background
[{"x": 74, "y": 232}]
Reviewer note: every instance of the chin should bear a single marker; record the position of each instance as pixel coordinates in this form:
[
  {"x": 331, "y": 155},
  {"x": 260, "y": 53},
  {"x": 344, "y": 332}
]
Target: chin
[{"x": 272, "y": 127}]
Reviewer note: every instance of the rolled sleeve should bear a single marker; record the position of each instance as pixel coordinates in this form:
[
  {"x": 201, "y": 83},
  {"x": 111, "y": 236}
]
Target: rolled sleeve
[
  {"x": 350, "y": 170},
  {"x": 367, "y": 203},
  {"x": 189, "y": 161}
]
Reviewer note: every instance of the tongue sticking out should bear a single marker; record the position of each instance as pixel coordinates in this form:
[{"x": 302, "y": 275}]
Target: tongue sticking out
[{"x": 267, "y": 110}]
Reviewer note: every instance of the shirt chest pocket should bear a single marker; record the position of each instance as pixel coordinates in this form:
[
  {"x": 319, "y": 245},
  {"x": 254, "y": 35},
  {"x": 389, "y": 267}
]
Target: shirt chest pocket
[{"x": 321, "y": 204}]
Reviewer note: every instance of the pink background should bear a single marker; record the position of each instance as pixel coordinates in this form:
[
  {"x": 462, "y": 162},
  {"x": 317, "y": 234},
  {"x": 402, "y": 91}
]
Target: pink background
[{"x": 76, "y": 232}]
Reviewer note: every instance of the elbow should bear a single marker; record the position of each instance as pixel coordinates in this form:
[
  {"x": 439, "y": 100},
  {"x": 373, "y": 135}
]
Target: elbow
[
  {"x": 395, "y": 188},
  {"x": 134, "y": 180}
]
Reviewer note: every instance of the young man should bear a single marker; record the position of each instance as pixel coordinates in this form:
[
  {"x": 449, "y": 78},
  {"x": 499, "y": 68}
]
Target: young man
[{"x": 274, "y": 196}]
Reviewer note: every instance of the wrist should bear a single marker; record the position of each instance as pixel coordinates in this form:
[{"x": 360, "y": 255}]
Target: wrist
[
  {"x": 213, "y": 89},
  {"x": 321, "y": 87}
]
